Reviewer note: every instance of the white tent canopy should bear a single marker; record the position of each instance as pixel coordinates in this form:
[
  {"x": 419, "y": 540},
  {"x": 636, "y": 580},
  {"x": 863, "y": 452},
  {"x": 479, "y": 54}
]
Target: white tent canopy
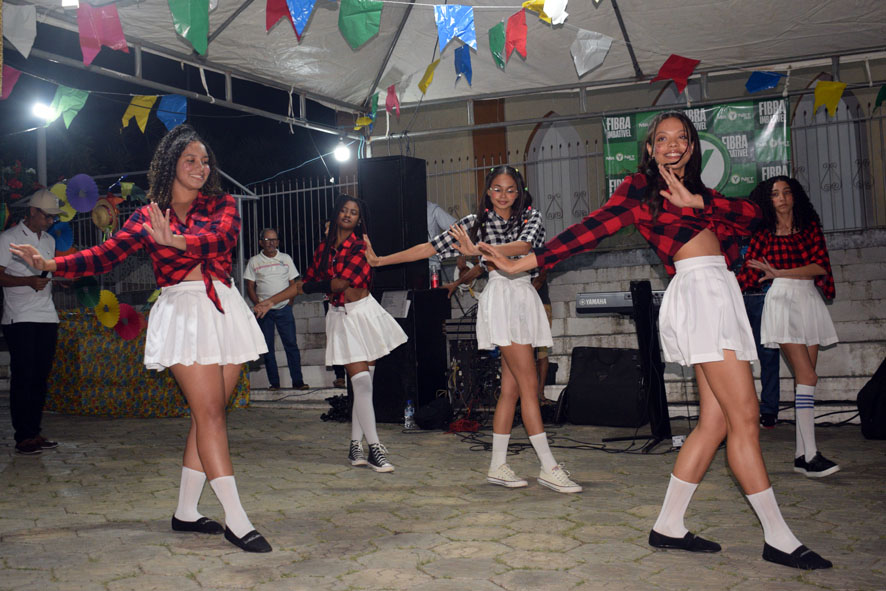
[{"x": 724, "y": 35}]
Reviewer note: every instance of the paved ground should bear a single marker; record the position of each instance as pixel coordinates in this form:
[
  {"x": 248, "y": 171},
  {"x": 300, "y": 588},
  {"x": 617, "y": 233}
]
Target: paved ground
[{"x": 94, "y": 513}]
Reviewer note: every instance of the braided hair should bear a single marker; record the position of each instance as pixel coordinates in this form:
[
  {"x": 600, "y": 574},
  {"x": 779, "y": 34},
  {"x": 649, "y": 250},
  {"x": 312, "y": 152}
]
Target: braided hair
[
  {"x": 162, "y": 171},
  {"x": 804, "y": 213},
  {"x": 649, "y": 167},
  {"x": 360, "y": 229},
  {"x": 519, "y": 210}
]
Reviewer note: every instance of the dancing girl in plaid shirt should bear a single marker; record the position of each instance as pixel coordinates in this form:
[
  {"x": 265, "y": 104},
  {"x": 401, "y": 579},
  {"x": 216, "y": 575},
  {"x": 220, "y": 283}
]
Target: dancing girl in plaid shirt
[
  {"x": 702, "y": 323},
  {"x": 510, "y": 316},
  {"x": 200, "y": 327}
]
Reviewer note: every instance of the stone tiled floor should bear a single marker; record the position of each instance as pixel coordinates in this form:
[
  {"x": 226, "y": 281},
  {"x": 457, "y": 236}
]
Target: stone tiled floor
[{"x": 94, "y": 513}]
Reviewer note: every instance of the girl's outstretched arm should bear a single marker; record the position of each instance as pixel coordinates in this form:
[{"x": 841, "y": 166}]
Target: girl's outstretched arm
[
  {"x": 415, "y": 253},
  {"x": 494, "y": 255}
]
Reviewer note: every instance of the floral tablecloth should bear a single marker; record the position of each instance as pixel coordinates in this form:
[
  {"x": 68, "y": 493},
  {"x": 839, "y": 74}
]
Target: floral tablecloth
[{"x": 96, "y": 372}]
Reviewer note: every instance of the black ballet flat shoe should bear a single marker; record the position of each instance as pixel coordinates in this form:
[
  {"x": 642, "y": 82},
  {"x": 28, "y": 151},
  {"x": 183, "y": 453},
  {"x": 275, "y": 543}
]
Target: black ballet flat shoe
[
  {"x": 802, "y": 558},
  {"x": 204, "y": 525},
  {"x": 690, "y": 542},
  {"x": 251, "y": 542}
]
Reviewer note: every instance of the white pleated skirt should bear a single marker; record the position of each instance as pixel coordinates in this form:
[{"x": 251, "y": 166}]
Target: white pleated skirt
[
  {"x": 185, "y": 327},
  {"x": 702, "y": 313},
  {"x": 510, "y": 312},
  {"x": 794, "y": 312},
  {"x": 360, "y": 331}
]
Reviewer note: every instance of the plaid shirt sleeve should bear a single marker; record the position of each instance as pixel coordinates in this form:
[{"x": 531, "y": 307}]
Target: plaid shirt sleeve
[
  {"x": 313, "y": 273},
  {"x": 619, "y": 212},
  {"x": 533, "y": 230},
  {"x": 355, "y": 269},
  {"x": 816, "y": 252},
  {"x": 749, "y": 278},
  {"x": 102, "y": 258},
  {"x": 444, "y": 244},
  {"x": 215, "y": 232}
]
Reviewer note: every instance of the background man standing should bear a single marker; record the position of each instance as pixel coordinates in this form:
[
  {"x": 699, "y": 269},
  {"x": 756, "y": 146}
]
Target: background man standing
[
  {"x": 267, "y": 274},
  {"x": 30, "y": 323}
]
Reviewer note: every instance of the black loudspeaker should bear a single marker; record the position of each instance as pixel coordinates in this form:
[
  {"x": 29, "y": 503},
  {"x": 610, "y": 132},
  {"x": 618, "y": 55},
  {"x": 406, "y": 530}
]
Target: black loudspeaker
[
  {"x": 415, "y": 370},
  {"x": 395, "y": 191},
  {"x": 606, "y": 388}
]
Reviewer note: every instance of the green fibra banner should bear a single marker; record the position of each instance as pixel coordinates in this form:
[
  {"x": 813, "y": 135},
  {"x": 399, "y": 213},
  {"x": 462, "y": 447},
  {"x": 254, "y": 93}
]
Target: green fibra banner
[{"x": 742, "y": 143}]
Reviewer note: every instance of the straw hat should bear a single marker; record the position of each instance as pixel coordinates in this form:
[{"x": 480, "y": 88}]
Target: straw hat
[{"x": 104, "y": 215}]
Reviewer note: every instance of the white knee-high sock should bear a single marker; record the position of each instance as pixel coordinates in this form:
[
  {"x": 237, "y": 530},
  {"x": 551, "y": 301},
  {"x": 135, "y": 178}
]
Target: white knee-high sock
[
  {"x": 225, "y": 488},
  {"x": 499, "y": 449},
  {"x": 775, "y": 531},
  {"x": 539, "y": 443},
  {"x": 804, "y": 406},
  {"x": 670, "y": 519},
  {"x": 189, "y": 492},
  {"x": 364, "y": 413},
  {"x": 356, "y": 429}
]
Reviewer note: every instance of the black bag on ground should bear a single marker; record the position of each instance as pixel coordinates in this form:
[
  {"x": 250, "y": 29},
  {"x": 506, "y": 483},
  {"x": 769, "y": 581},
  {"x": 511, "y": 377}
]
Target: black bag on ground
[
  {"x": 872, "y": 405},
  {"x": 436, "y": 415}
]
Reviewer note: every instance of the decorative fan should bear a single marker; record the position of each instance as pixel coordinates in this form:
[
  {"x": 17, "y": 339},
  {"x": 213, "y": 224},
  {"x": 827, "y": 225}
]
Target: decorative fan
[
  {"x": 87, "y": 291},
  {"x": 82, "y": 192},
  {"x": 64, "y": 236},
  {"x": 130, "y": 324},
  {"x": 108, "y": 309}
]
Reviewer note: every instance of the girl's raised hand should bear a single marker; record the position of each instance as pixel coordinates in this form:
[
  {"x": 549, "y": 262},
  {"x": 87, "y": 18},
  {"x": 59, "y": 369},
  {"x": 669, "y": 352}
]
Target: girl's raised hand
[
  {"x": 158, "y": 227},
  {"x": 464, "y": 244},
  {"x": 677, "y": 193},
  {"x": 30, "y": 255},
  {"x": 373, "y": 259}
]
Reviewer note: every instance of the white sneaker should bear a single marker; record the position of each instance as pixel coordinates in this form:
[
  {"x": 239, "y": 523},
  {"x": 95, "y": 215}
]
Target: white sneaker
[
  {"x": 504, "y": 476},
  {"x": 558, "y": 479}
]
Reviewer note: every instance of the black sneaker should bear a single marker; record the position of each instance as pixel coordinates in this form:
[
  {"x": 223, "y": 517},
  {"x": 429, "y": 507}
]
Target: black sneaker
[
  {"x": 800, "y": 465},
  {"x": 767, "y": 421},
  {"x": 28, "y": 447},
  {"x": 355, "y": 455},
  {"x": 819, "y": 467},
  {"x": 378, "y": 459}
]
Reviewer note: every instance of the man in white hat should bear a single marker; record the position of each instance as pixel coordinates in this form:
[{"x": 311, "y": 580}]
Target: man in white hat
[{"x": 30, "y": 323}]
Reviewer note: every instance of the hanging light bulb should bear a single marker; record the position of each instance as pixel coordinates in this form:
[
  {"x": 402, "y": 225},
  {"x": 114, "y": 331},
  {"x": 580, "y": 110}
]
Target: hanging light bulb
[{"x": 342, "y": 153}]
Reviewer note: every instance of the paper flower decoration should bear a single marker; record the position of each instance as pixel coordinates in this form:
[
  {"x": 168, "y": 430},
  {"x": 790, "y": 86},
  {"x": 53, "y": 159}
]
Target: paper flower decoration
[
  {"x": 87, "y": 291},
  {"x": 64, "y": 236},
  {"x": 129, "y": 325},
  {"x": 68, "y": 212},
  {"x": 82, "y": 192},
  {"x": 108, "y": 309}
]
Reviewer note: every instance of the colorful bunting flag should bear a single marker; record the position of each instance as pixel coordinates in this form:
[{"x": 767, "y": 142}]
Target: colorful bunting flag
[
  {"x": 391, "y": 101},
  {"x": 497, "y": 44},
  {"x": 881, "y": 96},
  {"x": 538, "y": 7},
  {"x": 99, "y": 25},
  {"x": 139, "y": 107},
  {"x": 20, "y": 26},
  {"x": 9, "y": 77},
  {"x": 274, "y": 11},
  {"x": 172, "y": 110},
  {"x": 828, "y": 93},
  {"x": 191, "y": 21},
  {"x": 300, "y": 12},
  {"x": 463, "y": 63},
  {"x": 516, "y": 35},
  {"x": 454, "y": 20},
  {"x": 556, "y": 9},
  {"x": 678, "y": 69},
  {"x": 428, "y": 77},
  {"x": 359, "y": 21},
  {"x": 67, "y": 102},
  {"x": 589, "y": 50},
  {"x": 762, "y": 81},
  {"x": 373, "y": 106},
  {"x": 362, "y": 122}
]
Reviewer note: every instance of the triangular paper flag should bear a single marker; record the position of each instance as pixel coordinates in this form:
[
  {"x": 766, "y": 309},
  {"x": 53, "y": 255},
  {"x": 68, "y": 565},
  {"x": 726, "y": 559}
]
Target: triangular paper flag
[
  {"x": 516, "y": 35},
  {"x": 99, "y": 25},
  {"x": 9, "y": 78},
  {"x": 556, "y": 9},
  {"x": 274, "y": 11},
  {"x": 359, "y": 20},
  {"x": 67, "y": 103},
  {"x": 762, "y": 81},
  {"x": 391, "y": 101},
  {"x": 20, "y": 26},
  {"x": 589, "y": 50},
  {"x": 678, "y": 69},
  {"x": 497, "y": 44},
  {"x": 191, "y": 21},
  {"x": 881, "y": 96},
  {"x": 463, "y": 63},
  {"x": 454, "y": 20},
  {"x": 300, "y": 12},
  {"x": 172, "y": 110},
  {"x": 428, "y": 77},
  {"x": 373, "y": 106},
  {"x": 139, "y": 107},
  {"x": 362, "y": 122},
  {"x": 828, "y": 94},
  {"x": 537, "y": 6}
]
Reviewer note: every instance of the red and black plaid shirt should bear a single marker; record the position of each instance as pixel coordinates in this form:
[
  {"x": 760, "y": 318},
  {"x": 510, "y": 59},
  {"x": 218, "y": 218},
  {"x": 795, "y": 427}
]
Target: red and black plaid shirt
[
  {"x": 347, "y": 262},
  {"x": 674, "y": 226},
  {"x": 211, "y": 230},
  {"x": 806, "y": 247}
]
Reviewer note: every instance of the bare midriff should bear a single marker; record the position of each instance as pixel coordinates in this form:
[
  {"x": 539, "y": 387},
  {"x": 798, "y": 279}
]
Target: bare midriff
[{"x": 703, "y": 244}]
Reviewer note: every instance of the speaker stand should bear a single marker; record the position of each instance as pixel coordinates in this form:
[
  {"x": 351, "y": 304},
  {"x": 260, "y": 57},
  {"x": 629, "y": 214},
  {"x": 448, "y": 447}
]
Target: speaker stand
[{"x": 651, "y": 367}]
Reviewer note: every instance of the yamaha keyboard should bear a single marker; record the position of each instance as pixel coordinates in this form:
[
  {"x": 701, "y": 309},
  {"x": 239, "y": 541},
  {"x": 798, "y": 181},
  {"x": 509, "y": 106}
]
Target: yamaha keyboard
[{"x": 610, "y": 302}]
